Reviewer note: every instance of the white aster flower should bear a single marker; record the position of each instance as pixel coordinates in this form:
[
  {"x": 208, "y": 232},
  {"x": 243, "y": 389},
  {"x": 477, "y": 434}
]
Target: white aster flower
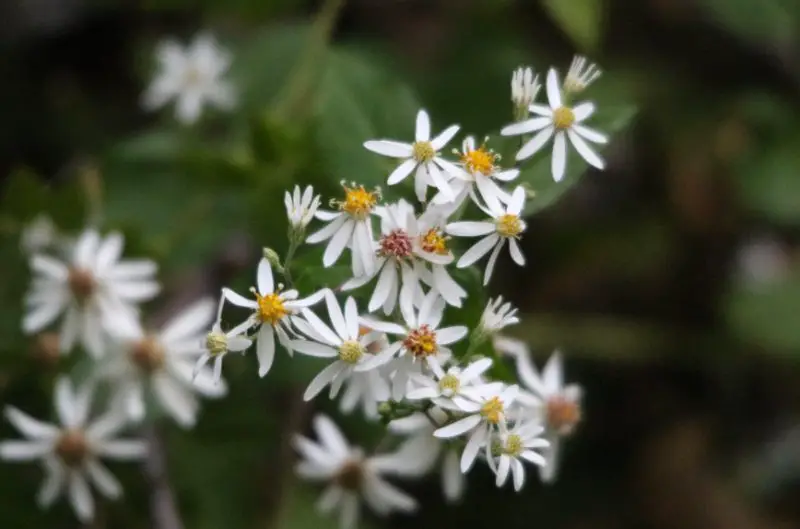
[
  {"x": 511, "y": 447},
  {"x": 506, "y": 225},
  {"x": 38, "y": 235},
  {"x": 350, "y": 475},
  {"x": 70, "y": 452},
  {"x": 193, "y": 76},
  {"x": 481, "y": 171},
  {"x": 524, "y": 87},
  {"x": 163, "y": 364},
  {"x": 421, "y": 156},
  {"x": 422, "y": 451},
  {"x": 561, "y": 404},
  {"x": 273, "y": 311},
  {"x": 449, "y": 389},
  {"x": 368, "y": 388},
  {"x": 484, "y": 418},
  {"x": 301, "y": 209},
  {"x": 422, "y": 342},
  {"x": 219, "y": 343},
  {"x": 350, "y": 226},
  {"x": 558, "y": 121},
  {"x": 347, "y": 344},
  {"x": 94, "y": 289},
  {"x": 580, "y": 75},
  {"x": 498, "y": 315},
  {"x": 510, "y": 347}
]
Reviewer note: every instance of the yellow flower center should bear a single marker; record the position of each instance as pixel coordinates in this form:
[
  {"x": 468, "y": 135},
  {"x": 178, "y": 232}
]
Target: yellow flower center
[
  {"x": 563, "y": 118},
  {"x": 480, "y": 160},
  {"x": 358, "y": 202},
  {"x": 72, "y": 447},
  {"x": 271, "y": 308},
  {"x": 423, "y": 151},
  {"x": 421, "y": 342},
  {"x": 216, "y": 343},
  {"x": 492, "y": 410},
  {"x": 434, "y": 241},
  {"x": 351, "y": 351},
  {"x": 509, "y": 225},
  {"x": 514, "y": 445},
  {"x": 449, "y": 385},
  {"x": 81, "y": 283},
  {"x": 350, "y": 476},
  {"x": 563, "y": 414}
]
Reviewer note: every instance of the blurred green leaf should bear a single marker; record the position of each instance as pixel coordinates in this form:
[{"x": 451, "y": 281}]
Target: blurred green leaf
[
  {"x": 581, "y": 20},
  {"x": 766, "y": 314},
  {"x": 757, "y": 20}
]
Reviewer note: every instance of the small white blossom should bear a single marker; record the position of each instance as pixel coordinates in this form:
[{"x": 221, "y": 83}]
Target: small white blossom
[
  {"x": 350, "y": 476},
  {"x": 524, "y": 89},
  {"x": 560, "y": 122},
  {"x": 580, "y": 75},
  {"x": 301, "y": 209},
  {"x": 449, "y": 389},
  {"x": 505, "y": 225},
  {"x": 498, "y": 315},
  {"x": 70, "y": 452},
  {"x": 511, "y": 448},
  {"x": 273, "y": 311},
  {"x": 193, "y": 76},
  {"x": 350, "y": 226},
  {"x": 93, "y": 289},
  {"x": 421, "y": 156},
  {"x": 218, "y": 344}
]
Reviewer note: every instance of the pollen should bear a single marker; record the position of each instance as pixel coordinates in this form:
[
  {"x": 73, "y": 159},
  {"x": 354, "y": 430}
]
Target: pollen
[
  {"x": 216, "y": 343},
  {"x": 358, "y": 202},
  {"x": 271, "y": 308},
  {"x": 509, "y": 225},
  {"x": 396, "y": 244},
  {"x": 72, "y": 447},
  {"x": 147, "y": 354},
  {"x": 351, "y": 352},
  {"x": 449, "y": 385},
  {"x": 513, "y": 446},
  {"x": 563, "y": 118},
  {"x": 350, "y": 476},
  {"x": 423, "y": 151},
  {"x": 421, "y": 342},
  {"x": 480, "y": 160},
  {"x": 81, "y": 282},
  {"x": 492, "y": 410},
  {"x": 563, "y": 414},
  {"x": 434, "y": 241}
]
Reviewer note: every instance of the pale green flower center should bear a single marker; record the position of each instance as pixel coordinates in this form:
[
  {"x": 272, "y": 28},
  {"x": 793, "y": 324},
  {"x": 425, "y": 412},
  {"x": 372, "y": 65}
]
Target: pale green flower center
[
  {"x": 351, "y": 351},
  {"x": 423, "y": 151}
]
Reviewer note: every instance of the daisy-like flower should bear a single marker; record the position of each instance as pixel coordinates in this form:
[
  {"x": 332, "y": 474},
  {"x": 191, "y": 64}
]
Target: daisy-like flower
[
  {"x": 163, "y": 363},
  {"x": 481, "y": 170},
  {"x": 561, "y": 122},
  {"x": 219, "y": 343},
  {"x": 422, "y": 451},
  {"x": 350, "y": 476},
  {"x": 449, "y": 389},
  {"x": 193, "y": 76},
  {"x": 506, "y": 225},
  {"x": 580, "y": 75},
  {"x": 347, "y": 344},
  {"x": 421, "y": 156},
  {"x": 497, "y": 316},
  {"x": 93, "y": 289},
  {"x": 422, "y": 341},
  {"x": 524, "y": 89},
  {"x": 484, "y": 418},
  {"x": 562, "y": 404},
  {"x": 273, "y": 310},
  {"x": 350, "y": 226},
  {"x": 511, "y": 448},
  {"x": 368, "y": 388},
  {"x": 70, "y": 452},
  {"x": 301, "y": 209}
]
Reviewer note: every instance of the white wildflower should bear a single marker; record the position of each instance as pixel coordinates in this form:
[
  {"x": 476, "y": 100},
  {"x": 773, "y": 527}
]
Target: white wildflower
[
  {"x": 514, "y": 446},
  {"x": 580, "y": 75},
  {"x": 524, "y": 88},
  {"x": 218, "y": 344},
  {"x": 450, "y": 389},
  {"x": 301, "y": 208},
  {"x": 498, "y": 315}
]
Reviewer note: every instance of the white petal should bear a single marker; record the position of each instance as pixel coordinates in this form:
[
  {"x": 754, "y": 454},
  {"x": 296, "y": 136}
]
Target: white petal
[
  {"x": 24, "y": 450},
  {"x": 383, "y": 287},
  {"x": 517, "y": 201},
  {"x": 559, "y": 161},
  {"x": 449, "y": 335},
  {"x": 472, "y": 448},
  {"x": 331, "y": 436},
  {"x": 106, "y": 483},
  {"x": 401, "y": 172},
  {"x": 586, "y": 152},
  {"x": 475, "y": 369},
  {"x": 395, "y": 149},
  {"x": 28, "y": 426},
  {"x": 422, "y": 130},
  {"x": 447, "y": 286},
  {"x": 132, "y": 269},
  {"x": 526, "y": 127},
  {"x": 176, "y": 400},
  {"x": 336, "y": 316},
  {"x": 351, "y": 317},
  {"x": 338, "y": 243},
  {"x": 109, "y": 252},
  {"x": 534, "y": 144},
  {"x": 516, "y": 252},
  {"x": 383, "y": 326},
  {"x": 266, "y": 284},
  {"x": 392, "y": 496},
  {"x": 470, "y": 228},
  {"x": 518, "y": 471},
  {"x": 314, "y": 349},
  {"x": 478, "y": 250},
  {"x": 553, "y": 89},
  {"x": 439, "y": 182},
  {"x": 322, "y": 379},
  {"x": 487, "y": 274},
  {"x": 583, "y": 111},
  {"x": 125, "y": 450},
  {"x": 589, "y": 134},
  {"x": 86, "y": 248},
  {"x": 444, "y": 137},
  {"x": 503, "y": 468},
  {"x": 81, "y": 497},
  {"x": 49, "y": 267},
  {"x": 55, "y": 476},
  {"x": 318, "y": 330},
  {"x": 348, "y": 515},
  {"x": 265, "y": 349},
  {"x": 452, "y": 478},
  {"x": 458, "y": 428},
  {"x": 329, "y": 230},
  {"x": 44, "y": 313},
  {"x": 189, "y": 322}
]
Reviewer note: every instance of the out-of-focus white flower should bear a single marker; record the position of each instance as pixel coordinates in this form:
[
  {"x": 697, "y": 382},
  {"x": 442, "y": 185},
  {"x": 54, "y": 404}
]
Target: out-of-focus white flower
[
  {"x": 561, "y": 122},
  {"x": 219, "y": 344},
  {"x": 514, "y": 446},
  {"x": 193, "y": 76},
  {"x": 422, "y": 341},
  {"x": 580, "y": 75},
  {"x": 370, "y": 387},
  {"x": 272, "y": 313},
  {"x": 301, "y": 209},
  {"x": 484, "y": 417},
  {"x": 163, "y": 363},
  {"x": 561, "y": 404},
  {"x": 350, "y": 476},
  {"x": 508, "y": 346},
  {"x": 498, "y": 315},
  {"x": 762, "y": 260},
  {"x": 449, "y": 389},
  {"x": 70, "y": 451},
  {"x": 94, "y": 289},
  {"x": 38, "y": 235},
  {"x": 423, "y": 156},
  {"x": 350, "y": 226},
  {"x": 505, "y": 225},
  {"x": 524, "y": 89},
  {"x": 346, "y": 343}
]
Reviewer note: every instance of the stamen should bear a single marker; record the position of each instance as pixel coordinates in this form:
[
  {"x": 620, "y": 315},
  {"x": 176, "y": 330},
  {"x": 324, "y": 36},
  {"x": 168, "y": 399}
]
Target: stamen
[
  {"x": 480, "y": 160},
  {"x": 271, "y": 308},
  {"x": 216, "y": 343},
  {"x": 492, "y": 410},
  {"x": 434, "y": 241},
  {"x": 351, "y": 352},
  {"x": 509, "y": 225},
  {"x": 421, "y": 342},
  {"x": 449, "y": 385},
  {"x": 358, "y": 202},
  {"x": 395, "y": 244},
  {"x": 563, "y": 118},
  {"x": 423, "y": 151}
]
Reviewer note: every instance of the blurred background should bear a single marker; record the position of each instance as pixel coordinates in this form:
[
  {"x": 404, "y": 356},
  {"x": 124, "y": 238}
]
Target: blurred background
[{"x": 671, "y": 281}]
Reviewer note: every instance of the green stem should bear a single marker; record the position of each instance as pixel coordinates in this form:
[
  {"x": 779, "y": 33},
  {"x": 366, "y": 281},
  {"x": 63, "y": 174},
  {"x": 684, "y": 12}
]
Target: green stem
[{"x": 294, "y": 244}]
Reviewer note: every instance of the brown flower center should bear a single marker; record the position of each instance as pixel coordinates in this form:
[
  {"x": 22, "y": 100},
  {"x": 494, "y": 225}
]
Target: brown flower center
[
  {"x": 72, "y": 447},
  {"x": 81, "y": 283},
  {"x": 46, "y": 348},
  {"x": 563, "y": 414},
  {"x": 396, "y": 244},
  {"x": 147, "y": 354},
  {"x": 421, "y": 342},
  {"x": 350, "y": 476}
]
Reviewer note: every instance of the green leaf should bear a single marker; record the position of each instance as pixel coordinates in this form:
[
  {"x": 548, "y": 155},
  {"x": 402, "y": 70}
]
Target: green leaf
[
  {"x": 581, "y": 20},
  {"x": 757, "y": 20},
  {"x": 766, "y": 314}
]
